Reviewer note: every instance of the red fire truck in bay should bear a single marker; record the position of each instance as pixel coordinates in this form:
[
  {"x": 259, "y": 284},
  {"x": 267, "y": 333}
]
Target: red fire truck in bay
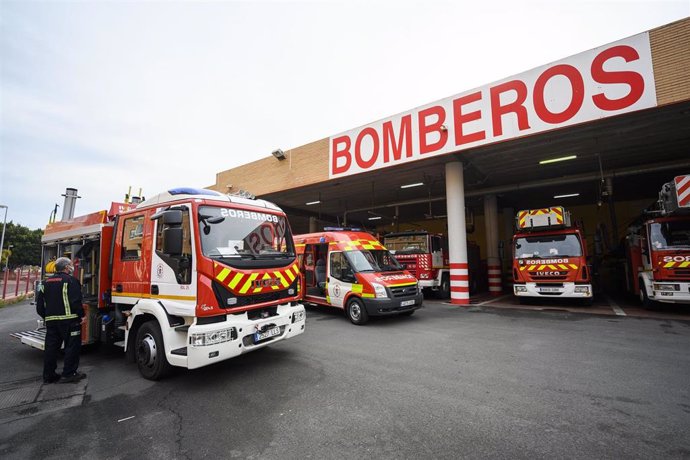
[
  {"x": 549, "y": 256},
  {"x": 187, "y": 278},
  {"x": 658, "y": 248},
  {"x": 425, "y": 255}
]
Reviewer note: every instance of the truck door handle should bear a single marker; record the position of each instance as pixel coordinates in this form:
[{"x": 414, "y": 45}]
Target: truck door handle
[
  {"x": 154, "y": 289},
  {"x": 118, "y": 288}
]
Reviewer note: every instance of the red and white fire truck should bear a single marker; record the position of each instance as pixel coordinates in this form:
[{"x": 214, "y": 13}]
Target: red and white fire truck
[
  {"x": 658, "y": 248},
  {"x": 550, "y": 256},
  {"x": 187, "y": 278}
]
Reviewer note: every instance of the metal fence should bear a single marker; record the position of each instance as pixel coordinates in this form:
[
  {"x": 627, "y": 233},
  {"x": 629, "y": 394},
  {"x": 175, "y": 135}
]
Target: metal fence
[{"x": 19, "y": 281}]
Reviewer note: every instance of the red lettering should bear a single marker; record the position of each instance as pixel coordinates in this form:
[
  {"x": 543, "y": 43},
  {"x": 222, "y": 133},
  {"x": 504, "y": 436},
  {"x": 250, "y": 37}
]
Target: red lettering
[
  {"x": 425, "y": 129},
  {"x": 632, "y": 79},
  {"x": 389, "y": 139},
  {"x": 462, "y": 118},
  {"x": 339, "y": 154},
  {"x": 517, "y": 107},
  {"x": 578, "y": 91},
  {"x": 371, "y": 132}
]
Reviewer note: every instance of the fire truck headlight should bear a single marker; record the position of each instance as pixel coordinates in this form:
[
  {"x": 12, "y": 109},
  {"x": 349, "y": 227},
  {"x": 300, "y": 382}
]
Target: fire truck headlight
[
  {"x": 379, "y": 290},
  {"x": 202, "y": 339},
  {"x": 298, "y": 316},
  {"x": 520, "y": 289},
  {"x": 666, "y": 287},
  {"x": 582, "y": 290}
]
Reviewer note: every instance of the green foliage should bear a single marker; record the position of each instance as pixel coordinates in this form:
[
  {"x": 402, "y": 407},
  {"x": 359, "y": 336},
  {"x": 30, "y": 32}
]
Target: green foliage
[{"x": 26, "y": 246}]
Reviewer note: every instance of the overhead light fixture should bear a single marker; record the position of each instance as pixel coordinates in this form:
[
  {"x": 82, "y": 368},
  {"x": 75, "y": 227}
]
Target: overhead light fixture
[
  {"x": 313, "y": 202},
  {"x": 566, "y": 196},
  {"x": 279, "y": 154},
  {"x": 375, "y": 218},
  {"x": 416, "y": 184},
  {"x": 555, "y": 160}
]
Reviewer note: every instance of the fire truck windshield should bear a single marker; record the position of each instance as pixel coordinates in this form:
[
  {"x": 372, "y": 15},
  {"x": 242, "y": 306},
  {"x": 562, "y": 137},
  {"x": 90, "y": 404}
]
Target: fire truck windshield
[
  {"x": 372, "y": 261},
  {"x": 670, "y": 235},
  {"x": 237, "y": 234},
  {"x": 546, "y": 246},
  {"x": 407, "y": 244}
]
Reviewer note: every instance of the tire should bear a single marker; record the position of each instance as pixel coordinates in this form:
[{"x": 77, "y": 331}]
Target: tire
[
  {"x": 587, "y": 302},
  {"x": 150, "y": 352},
  {"x": 356, "y": 312},
  {"x": 444, "y": 289},
  {"x": 644, "y": 298}
]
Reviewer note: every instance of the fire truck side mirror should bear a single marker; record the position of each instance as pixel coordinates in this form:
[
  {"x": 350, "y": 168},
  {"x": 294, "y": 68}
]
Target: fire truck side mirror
[
  {"x": 172, "y": 241},
  {"x": 172, "y": 217}
]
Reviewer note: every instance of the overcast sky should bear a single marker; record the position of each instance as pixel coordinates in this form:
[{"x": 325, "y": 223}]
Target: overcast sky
[{"x": 103, "y": 95}]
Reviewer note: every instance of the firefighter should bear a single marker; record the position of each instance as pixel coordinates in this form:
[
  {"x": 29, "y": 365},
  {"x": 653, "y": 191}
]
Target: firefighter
[{"x": 59, "y": 303}]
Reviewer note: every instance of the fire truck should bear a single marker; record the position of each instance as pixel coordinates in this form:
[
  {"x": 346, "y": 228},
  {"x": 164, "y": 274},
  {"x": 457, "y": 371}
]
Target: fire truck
[
  {"x": 187, "y": 278},
  {"x": 657, "y": 248},
  {"x": 425, "y": 255},
  {"x": 352, "y": 270},
  {"x": 550, "y": 256}
]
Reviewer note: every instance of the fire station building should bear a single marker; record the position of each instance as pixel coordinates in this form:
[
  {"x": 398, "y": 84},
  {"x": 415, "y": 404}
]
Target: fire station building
[{"x": 598, "y": 133}]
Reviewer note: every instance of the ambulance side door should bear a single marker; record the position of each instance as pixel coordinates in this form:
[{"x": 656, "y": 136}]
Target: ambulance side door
[{"x": 341, "y": 276}]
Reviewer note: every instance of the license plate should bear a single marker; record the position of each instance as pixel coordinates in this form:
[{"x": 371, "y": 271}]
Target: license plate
[
  {"x": 549, "y": 290},
  {"x": 406, "y": 303},
  {"x": 272, "y": 332}
]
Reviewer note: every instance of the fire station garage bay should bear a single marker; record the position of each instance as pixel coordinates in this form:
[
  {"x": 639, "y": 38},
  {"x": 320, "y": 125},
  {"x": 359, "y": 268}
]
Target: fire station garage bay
[{"x": 598, "y": 133}]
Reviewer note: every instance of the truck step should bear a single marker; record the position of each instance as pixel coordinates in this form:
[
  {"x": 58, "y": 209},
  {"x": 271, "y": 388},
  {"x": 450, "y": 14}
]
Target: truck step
[
  {"x": 180, "y": 351},
  {"x": 35, "y": 338},
  {"x": 120, "y": 344},
  {"x": 183, "y": 328}
]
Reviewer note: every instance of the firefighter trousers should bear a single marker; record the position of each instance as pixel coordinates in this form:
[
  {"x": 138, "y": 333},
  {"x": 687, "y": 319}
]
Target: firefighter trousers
[{"x": 57, "y": 332}]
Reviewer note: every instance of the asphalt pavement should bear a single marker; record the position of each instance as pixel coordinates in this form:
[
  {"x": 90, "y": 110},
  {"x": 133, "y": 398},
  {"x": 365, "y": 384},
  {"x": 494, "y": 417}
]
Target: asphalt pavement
[{"x": 447, "y": 382}]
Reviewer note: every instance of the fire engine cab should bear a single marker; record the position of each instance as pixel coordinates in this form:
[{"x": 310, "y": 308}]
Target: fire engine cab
[
  {"x": 658, "y": 248},
  {"x": 352, "y": 270},
  {"x": 187, "y": 278},
  {"x": 549, "y": 256}
]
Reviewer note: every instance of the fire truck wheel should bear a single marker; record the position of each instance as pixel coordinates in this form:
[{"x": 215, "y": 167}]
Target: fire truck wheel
[
  {"x": 150, "y": 352},
  {"x": 644, "y": 298},
  {"x": 356, "y": 312},
  {"x": 444, "y": 289}
]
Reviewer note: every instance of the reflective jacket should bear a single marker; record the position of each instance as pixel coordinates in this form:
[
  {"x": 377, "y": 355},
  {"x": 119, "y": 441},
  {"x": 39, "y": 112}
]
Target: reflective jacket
[{"x": 59, "y": 298}]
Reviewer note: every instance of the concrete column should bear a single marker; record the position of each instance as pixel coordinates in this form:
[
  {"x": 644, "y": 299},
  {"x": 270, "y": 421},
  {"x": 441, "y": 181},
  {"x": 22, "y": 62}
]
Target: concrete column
[
  {"x": 457, "y": 235},
  {"x": 492, "y": 261},
  {"x": 313, "y": 228}
]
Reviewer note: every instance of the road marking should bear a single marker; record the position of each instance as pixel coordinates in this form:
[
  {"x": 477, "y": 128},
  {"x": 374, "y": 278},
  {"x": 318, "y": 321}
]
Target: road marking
[
  {"x": 127, "y": 418},
  {"x": 492, "y": 300},
  {"x": 614, "y": 306}
]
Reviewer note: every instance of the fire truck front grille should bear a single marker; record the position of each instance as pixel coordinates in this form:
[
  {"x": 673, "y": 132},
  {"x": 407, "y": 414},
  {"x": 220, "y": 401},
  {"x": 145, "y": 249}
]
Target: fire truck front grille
[
  {"x": 537, "y": 279},
  {"x": 680, "y": 274},
  {"x": 404, "y": 291},
  {"x": 227, "y": 299}
]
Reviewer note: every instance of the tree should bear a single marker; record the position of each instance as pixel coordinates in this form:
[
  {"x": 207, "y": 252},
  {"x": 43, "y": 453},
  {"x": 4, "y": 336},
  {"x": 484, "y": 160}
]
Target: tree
[{"x": 26, "y": 246}]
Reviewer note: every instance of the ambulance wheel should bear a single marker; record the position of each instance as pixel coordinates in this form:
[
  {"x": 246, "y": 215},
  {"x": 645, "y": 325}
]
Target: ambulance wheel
[
  {"x": 150, "y": 352},
  {"x": 444, "y": 289},
  {"x": 356, "y": 312}
]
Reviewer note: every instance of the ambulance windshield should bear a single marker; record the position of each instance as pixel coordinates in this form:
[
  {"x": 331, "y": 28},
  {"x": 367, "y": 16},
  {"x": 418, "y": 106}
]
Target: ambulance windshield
[
  {"x": 375, "y": 260},
  {"x": 236, "y": 234},
  {"x": 547, "y": 246}
]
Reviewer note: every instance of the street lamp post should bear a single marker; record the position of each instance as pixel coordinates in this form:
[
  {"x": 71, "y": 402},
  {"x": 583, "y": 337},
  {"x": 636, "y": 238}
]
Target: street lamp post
[{"x": 2, "y": 239}]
